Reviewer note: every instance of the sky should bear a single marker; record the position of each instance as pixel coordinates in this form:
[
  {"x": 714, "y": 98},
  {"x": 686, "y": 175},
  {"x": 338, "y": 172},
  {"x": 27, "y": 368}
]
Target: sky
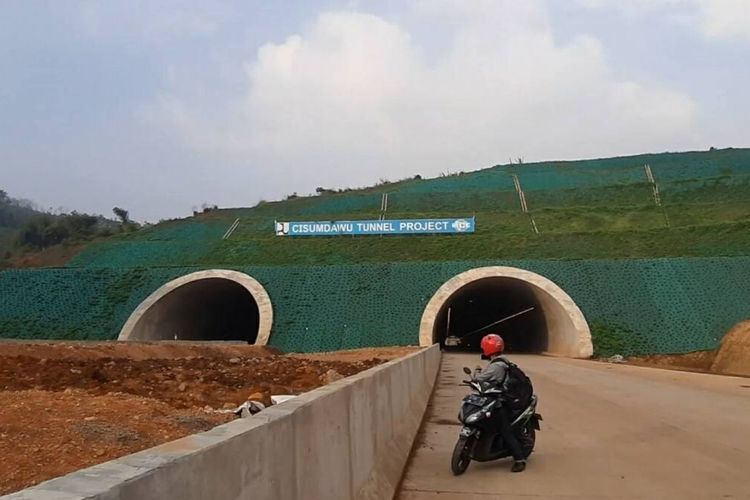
[{"x": 162, "y": 106}]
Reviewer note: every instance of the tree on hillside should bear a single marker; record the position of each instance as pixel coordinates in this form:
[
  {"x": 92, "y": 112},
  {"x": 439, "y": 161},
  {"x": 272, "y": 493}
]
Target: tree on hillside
[
  {"x": 47, "y": 230},
  {"x": 13, "y": 212},
  {"x": 126, "y": 225},
  {"x": 24, "y": 227},
  {"x": 122, "y": 214}
]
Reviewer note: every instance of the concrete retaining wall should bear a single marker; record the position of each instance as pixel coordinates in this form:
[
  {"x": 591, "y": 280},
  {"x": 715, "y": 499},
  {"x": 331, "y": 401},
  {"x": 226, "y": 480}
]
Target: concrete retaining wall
[{"x": 348, "y": 440}]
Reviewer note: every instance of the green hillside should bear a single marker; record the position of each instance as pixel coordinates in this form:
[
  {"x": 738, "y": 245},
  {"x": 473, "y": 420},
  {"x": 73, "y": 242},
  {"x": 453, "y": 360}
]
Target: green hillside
[
  {"x": 632, "y": 306},
  {"x": 649, "y": 277},
  {"x": 582, "y": 210}
]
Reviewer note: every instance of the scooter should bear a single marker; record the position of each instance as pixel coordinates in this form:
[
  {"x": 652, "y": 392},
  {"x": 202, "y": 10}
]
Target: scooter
[{"x": 479, "y": 440}]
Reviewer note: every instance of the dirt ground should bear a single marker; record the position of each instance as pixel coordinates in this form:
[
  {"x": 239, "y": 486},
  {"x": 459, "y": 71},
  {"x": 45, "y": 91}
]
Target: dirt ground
[
  {"x": 732, "y": 357},
  {"x": 699, "y": 361},
  {"x": 55, "y": 256},
  {"x": 354, "y": 355},
  {"x": 85, "y": 404}
]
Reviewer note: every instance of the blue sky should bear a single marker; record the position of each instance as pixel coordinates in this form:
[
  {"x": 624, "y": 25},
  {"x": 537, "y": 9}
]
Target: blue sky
[{"x": 162, "y": 106}]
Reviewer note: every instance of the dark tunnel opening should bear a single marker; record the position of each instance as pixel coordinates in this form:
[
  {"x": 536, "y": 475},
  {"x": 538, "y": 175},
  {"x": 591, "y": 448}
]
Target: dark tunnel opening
[
  {"x": 205, "y": 309},
  {"x": 469, "y": 311}
]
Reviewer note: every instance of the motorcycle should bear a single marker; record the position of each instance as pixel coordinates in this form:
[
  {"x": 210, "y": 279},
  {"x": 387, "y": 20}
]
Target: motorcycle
[{"x": 479, "y": 439}]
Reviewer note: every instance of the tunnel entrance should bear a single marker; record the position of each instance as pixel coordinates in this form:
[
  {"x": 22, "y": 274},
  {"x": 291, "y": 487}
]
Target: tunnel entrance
[
  {"x": 466, "y": 306},
  {"x": 208, "y": 305},
  {"x": 207, "y": 309},
  {"x": 475, "y": 310}
]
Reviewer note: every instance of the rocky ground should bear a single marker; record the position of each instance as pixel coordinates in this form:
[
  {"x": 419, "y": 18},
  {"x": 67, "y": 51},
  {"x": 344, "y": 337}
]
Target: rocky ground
[{"x": 71, "y": 405}]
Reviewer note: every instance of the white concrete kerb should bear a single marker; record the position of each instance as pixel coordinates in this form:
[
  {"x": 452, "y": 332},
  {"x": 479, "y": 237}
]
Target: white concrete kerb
[
  {"x": 569, "y": 333},
  {"x": 262, "y": 300}
]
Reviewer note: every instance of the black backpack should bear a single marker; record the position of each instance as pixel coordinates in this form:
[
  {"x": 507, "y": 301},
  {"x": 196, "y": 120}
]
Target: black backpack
[{"x": 517, "y": 384}]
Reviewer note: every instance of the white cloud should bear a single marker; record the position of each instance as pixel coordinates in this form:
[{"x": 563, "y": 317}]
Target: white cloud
[
  {"x": 353, "y": 98},
  {"x": 713, "y": 19},
  {"x": 725, "y": 18}
]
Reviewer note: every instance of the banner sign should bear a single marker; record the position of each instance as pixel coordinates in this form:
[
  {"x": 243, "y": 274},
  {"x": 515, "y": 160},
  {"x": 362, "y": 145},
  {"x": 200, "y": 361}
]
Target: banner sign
[{"x": 365, "y": 227}]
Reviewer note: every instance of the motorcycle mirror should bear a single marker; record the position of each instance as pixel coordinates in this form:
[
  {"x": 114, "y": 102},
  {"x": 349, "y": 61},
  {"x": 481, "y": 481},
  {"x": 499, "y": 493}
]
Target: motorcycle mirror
[{"x": 467, "y": 371}]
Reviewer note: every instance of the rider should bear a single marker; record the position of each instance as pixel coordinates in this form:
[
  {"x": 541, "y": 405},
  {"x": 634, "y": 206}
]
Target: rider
[{"x": 495, "y": 372}]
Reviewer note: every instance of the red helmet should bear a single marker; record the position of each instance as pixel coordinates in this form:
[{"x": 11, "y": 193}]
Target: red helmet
[{"x": 492, "y": 344}]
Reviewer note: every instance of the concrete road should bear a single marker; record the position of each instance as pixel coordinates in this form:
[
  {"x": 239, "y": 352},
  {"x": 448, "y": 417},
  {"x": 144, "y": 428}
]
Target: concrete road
[{"x": 609, "y": 431}]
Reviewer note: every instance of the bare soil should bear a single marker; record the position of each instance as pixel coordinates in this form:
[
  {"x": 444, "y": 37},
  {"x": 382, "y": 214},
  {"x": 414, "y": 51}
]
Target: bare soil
[
  {"x": 699, "y": 361},
  {"x": 732, "y": 358},
  {"x": 385, "y": 353},
  {"x": 66, "y": 406},
  {"x": 54, "y": 256}
]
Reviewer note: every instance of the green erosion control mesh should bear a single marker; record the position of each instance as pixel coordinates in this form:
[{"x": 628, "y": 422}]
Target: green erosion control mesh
[
  {"x": 583, "y": 210},
  {"x": 342, "y": 292},
  {"x": 633, "y": 307}
]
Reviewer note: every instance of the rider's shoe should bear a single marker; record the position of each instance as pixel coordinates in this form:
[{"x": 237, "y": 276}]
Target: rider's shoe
[{"x": 518, "y": 466}]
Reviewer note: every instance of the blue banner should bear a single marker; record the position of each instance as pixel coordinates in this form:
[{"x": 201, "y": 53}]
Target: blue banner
[{"x": 365, "y": 227}]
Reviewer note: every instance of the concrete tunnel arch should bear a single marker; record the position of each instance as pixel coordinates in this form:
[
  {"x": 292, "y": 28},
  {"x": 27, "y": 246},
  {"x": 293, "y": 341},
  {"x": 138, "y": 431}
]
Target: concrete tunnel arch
[
  {"x": 560, "y": 321},
  {"x": 214, "y": 304}
]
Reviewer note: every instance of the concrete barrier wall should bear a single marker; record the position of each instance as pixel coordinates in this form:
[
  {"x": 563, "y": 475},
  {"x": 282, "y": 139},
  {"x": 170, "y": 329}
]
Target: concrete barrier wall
[{"x": 348, "y": 440}]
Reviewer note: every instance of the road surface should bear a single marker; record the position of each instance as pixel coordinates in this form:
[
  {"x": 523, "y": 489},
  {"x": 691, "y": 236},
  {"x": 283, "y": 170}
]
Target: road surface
[{"x": 609, "y": 431}]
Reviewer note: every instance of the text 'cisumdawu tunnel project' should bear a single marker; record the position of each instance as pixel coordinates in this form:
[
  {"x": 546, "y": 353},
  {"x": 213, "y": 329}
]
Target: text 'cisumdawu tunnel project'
[{"x": 630, "y": 255}]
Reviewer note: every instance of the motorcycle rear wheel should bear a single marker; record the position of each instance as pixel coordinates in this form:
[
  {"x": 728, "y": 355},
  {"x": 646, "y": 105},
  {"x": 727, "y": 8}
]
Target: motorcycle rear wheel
[{"x": 460, "y": 460}]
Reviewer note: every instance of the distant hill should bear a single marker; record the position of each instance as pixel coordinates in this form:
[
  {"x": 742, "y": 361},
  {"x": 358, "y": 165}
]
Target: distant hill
[{"x": 26, "y": 229}]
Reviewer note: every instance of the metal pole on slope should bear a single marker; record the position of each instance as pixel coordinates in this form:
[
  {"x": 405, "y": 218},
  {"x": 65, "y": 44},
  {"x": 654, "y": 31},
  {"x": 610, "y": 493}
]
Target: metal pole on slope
[
  {"x": 231, "y": 229},
  {"x": 655, "y": 188},
  {"x": 524, "y": 205}
]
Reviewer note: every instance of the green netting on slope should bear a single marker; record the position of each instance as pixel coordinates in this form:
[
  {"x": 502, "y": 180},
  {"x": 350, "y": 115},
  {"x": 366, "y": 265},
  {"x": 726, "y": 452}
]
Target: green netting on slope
[
  {"x": 333, "y": 204},
  {"x": 321, "y": 205},
  {"x": 701, "y": 165},
  {"x": 638, "y": 306},
  {"x": 170, "y": 244},
  {"x": 607, "y": 196},
  {"x": 544, "y": 177},
  {"x": 593, "y": 173},
  {"x": 493, "y": 179},
  {"x": 685, "y": 181},
  {"x": 76, "y": 304},
  {"x": 662, "y": 306},
  {"x": 118, "y": 254},
  {"x": 711, "y": 189},
  {"x": 192, "y": 230},
  {"x": 569, "y": 233},
  {"x": 453, "y": 203}
]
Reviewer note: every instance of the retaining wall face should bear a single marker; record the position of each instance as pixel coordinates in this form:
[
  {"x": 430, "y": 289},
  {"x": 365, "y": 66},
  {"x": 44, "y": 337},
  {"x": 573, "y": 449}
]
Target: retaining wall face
[
  {"x": 348, "y": 440},
  {"x": 632, "y": 306}
]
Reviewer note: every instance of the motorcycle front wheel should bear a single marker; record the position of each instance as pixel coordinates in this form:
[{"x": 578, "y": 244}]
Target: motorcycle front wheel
[
  {"x": 460, "y": 460},
  {"x": 528, "y": 439}
]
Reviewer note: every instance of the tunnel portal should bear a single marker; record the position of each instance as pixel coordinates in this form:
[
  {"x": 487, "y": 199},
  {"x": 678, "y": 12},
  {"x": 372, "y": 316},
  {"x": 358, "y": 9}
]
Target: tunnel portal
[
  {"x": 474, "y": 311},
  {"x": 468, "y": 304},
  {"x": 204, "y": 306}
]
